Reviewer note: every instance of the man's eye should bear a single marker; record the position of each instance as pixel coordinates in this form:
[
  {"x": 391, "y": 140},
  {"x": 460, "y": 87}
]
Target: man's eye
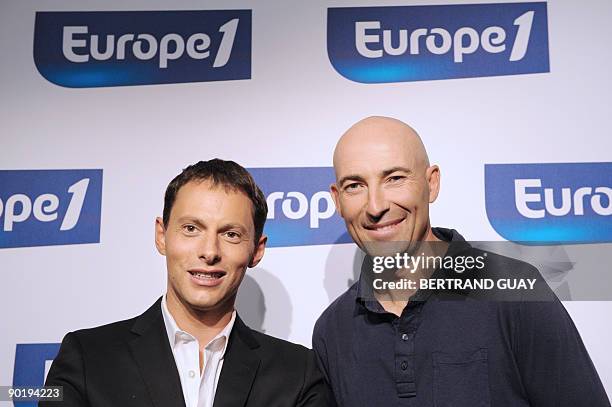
[
  {"x": 396, "y": 178},
  {"x": 190, "y": 228},
  {"x": 232, "y": 235},
  {"x": 352, "y": 186}
]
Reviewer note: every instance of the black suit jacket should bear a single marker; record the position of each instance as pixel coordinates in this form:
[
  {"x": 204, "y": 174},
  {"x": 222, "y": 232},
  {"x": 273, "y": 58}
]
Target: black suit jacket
[{"x": 130, "y": 363}]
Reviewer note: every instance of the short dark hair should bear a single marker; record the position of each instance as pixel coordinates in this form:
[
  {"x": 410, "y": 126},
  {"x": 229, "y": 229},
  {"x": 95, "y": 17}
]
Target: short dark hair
[{"x": 220, "y": 173}]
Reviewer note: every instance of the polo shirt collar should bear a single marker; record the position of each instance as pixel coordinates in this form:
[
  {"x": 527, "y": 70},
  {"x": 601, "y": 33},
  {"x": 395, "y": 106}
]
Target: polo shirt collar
[{"x": 365, "y": 293}]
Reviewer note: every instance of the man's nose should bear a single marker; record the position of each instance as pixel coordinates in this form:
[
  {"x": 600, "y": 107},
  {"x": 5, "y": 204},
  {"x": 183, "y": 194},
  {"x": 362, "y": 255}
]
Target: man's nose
[
  {"x": 209, "y": 248},
  {"x": 377, "y": 204}
]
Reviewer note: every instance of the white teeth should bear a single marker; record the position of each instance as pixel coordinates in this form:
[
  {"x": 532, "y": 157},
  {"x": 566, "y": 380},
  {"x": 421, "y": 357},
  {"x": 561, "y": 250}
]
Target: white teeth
[
  {"x": 385, "y": 227},
  {"x": 209, "y": 276}
]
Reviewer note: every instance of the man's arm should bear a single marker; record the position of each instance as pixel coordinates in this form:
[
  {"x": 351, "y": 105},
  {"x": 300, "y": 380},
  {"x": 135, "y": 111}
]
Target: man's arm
[
  {"x": 68, "y": 371},
  {"x": 315, "y": 392},
  {"x": 555, "y": 367}
]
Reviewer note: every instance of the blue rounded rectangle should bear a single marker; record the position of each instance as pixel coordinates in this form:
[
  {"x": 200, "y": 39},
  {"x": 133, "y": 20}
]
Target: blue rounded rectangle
[
  {"x": 550, "y": 203},
  {"x": 122, "y": 48},
  {"x": 300, "y": 208},
  {"x": 415, "y": 43},
  {"x": 50, "y": 207}
]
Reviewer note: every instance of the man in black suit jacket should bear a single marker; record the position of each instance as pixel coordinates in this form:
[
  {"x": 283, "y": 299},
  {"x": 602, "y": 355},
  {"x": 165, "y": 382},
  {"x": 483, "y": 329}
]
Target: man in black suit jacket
[{"x": 211, "y": 231}]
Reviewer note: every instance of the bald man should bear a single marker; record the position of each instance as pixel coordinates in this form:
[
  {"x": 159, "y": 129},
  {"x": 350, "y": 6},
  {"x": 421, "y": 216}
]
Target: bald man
[{"x": 410, "y": 347}]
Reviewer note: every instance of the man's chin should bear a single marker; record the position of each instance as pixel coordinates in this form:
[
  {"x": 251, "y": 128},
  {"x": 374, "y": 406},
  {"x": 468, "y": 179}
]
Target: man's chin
[
  {"x": 204, "y": 305},
  {"x": 388, "y": 248},
  {"x": 211, "y": 304}
]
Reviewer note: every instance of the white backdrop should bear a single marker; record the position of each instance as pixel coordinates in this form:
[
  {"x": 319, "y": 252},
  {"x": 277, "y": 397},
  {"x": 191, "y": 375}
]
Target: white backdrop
[{"x": 289, "y": 114}]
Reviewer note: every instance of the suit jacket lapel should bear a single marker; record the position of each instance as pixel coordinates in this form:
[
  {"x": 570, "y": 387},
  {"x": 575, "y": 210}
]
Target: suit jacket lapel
[
  {"x": 155, "y": 360},
  {"x": 239, "y": 367}
]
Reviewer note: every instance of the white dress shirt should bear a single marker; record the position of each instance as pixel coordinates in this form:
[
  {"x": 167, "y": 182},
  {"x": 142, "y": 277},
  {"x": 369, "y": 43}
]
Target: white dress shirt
[{"x": 198, "y": 388}]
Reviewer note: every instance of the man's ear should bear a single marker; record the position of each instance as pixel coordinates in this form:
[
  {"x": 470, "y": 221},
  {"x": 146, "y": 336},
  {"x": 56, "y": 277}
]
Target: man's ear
[
  {"x": 335, "y": 193},
  {"x": 432, "y": 175},
  {"x": 260, "y": 248},
  {"x": 160, "y": 236}
]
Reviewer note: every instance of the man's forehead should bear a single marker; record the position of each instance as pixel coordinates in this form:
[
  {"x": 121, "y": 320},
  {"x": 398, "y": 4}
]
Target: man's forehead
[
  {"x": 366, "y": 157},
  {"x": 203, "y": 193},
  {"x": 209, "y": 204}
]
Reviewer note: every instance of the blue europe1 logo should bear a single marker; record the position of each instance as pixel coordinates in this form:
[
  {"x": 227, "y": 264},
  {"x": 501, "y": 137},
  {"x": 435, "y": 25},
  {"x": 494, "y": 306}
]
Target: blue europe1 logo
[
  {"x": 49, "y": 207},
  {"x": 550, "y": 203},
  {"x": 300, "y": 208},
  {"x": 32, "y": 362},
  {"x": 120, "y": 48},
  {"x": 414, "y": 43}
]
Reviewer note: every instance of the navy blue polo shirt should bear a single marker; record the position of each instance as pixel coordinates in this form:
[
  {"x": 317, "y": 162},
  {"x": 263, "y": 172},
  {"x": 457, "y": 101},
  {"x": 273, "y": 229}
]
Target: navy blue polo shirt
[{"x": 443, "y": 353}]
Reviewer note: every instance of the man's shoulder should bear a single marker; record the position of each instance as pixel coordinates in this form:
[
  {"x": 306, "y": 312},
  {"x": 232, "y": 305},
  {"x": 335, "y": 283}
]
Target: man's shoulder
[
  {"x": 287, "y": 371},
  {"x": 339, "y": 310},
  {"x": 104, "y": 334},
  {"x": 277, "y": 354},
  {"x": 119, "y": 331},
  {"x": 278, "y": 345},
  {"x": 501, "y": 263}
]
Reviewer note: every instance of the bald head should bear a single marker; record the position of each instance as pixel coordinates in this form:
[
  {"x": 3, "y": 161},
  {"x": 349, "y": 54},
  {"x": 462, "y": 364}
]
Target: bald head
[{"x": 380, "y": 133}]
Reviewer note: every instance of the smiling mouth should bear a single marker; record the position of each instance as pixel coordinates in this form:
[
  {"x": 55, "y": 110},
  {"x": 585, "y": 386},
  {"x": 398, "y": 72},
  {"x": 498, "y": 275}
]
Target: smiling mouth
[
  {"x": 383, "y": 227},
  {"x": 207, "y": 275}
]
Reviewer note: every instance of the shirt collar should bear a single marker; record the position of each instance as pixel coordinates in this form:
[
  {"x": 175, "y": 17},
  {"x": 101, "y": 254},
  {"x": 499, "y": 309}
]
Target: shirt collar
[{"x": 175, "y": 334}]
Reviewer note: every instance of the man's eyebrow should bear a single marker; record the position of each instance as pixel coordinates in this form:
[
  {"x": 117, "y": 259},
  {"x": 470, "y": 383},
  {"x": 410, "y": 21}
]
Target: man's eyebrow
[
  {"x": 191, "y": 219},
  {"x": 351, "y": 177},
  {"x": 230, "y": 226},
  {"x": 391, "y": 170},
  {"x": 384, "y": 173},
  {"x": 225, "y": 227}
]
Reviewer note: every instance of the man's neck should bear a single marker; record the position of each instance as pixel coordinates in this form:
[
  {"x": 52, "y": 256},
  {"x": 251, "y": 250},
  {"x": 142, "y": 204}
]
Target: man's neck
[{"x": 203, "y": 325}]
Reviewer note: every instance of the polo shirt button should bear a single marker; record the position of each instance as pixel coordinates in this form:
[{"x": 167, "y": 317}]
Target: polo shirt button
[
  {"x": 404, "y": 365},
  {"x": 404, "y": 337}
]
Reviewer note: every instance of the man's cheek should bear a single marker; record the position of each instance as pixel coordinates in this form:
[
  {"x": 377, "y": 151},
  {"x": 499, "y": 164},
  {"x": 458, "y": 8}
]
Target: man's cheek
[
  {"x": 237, "y": 255},
  {"x": 404, "y": 196},
  {"x": 350, "y": 206}
]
